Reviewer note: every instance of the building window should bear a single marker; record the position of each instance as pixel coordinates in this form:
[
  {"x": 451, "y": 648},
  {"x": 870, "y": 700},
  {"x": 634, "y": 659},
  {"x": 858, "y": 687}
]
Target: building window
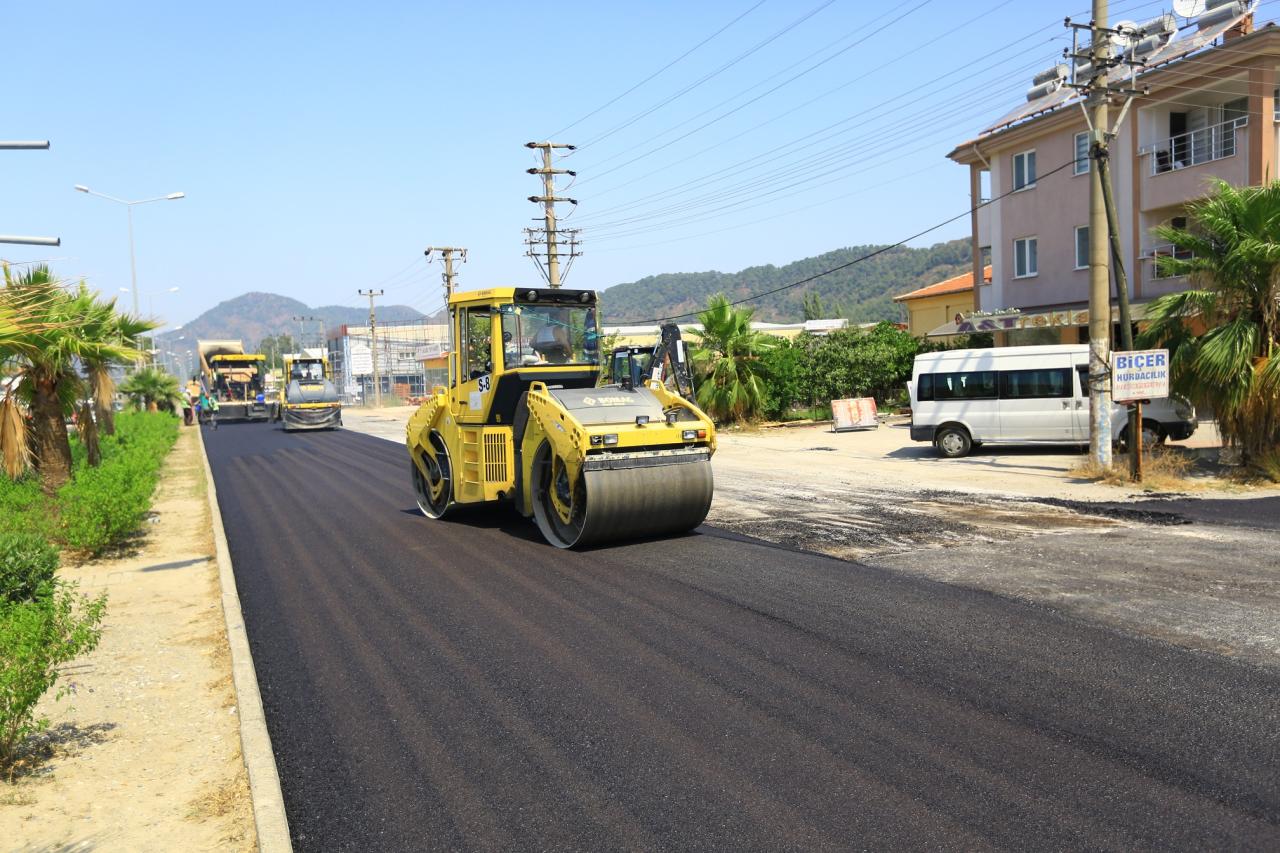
[
  {"x": 1081, "y": 165},
  {"x": 1082, "y": 247},
  {"x": 1024, "y": 170},
  {"x": 1025, "y": 263}
]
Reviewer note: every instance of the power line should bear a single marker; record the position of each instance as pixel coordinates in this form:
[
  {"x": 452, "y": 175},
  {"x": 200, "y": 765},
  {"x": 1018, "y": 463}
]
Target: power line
[
  {"x": 868, "y": 256},
  {"x": 846, "y": 84},
  {"x": 758, "y": 46},
  {"x": 679, "y": 58},
  {"x": 815, "y": 167},
  {"x": 757, "y": 98}
]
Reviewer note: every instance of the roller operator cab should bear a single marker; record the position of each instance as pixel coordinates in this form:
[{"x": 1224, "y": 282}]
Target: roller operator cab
[
  {"x": 522, "y": 420},
  {"x": 308, "y": 398}
]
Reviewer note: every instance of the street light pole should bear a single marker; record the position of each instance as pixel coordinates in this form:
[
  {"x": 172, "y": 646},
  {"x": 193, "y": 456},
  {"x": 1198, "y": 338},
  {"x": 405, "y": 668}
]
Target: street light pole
[{"x": 133, "y": 265}]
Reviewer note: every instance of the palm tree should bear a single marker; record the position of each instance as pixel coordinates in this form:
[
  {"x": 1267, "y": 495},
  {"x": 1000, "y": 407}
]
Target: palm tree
[
  {"x": 1224, "y": 332},
  {"x": 127, "y": 330},
  {"x": 727, "y": 356},
  {"x": 152, "y": 388},
  {"x": 58, "y": 329}
]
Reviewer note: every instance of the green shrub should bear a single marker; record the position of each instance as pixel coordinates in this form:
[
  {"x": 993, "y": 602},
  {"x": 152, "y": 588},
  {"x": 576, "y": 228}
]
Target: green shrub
[
  {"x": 102, "y": 506},
  {"x": 27, "y": 564},
  {"x": 36, "y": 638},
  {"x": 23, "y": 507}
]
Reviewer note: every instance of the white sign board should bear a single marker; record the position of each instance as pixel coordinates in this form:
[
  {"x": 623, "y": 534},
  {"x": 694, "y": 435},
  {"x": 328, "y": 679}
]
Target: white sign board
[
  {"x": 1139, "y": 375},
  {"x": 361, "y": 360}
]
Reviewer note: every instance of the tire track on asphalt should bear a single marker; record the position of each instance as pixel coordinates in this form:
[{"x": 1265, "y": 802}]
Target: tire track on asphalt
[
  {"x": 465, "y": 807},
  {"x": 555, "y": 762},
  {"x": 1119, "y": 788},
  {"x": 826, "y": 702}
]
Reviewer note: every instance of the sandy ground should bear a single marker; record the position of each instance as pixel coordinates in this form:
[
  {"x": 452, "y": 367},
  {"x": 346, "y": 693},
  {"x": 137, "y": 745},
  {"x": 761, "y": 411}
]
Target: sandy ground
[
  {"x": 145, "y": 755},
  {"x": 1007, "y": 520}
]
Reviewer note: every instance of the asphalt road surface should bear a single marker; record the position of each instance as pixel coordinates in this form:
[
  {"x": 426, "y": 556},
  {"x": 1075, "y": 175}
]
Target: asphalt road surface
[{"x": 462, "y": 685}]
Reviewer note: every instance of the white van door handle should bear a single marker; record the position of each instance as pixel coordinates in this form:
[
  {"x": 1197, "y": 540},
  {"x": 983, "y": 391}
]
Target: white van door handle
[
  {"x": 1066, "y": 404},
  {"x": 1079, "y": 404}
]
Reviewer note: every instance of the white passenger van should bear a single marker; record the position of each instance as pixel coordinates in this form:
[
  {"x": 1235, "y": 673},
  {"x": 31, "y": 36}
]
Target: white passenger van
[{"x": 1024, "y": 395}]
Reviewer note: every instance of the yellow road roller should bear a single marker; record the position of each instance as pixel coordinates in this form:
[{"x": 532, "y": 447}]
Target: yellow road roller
[
  {"x": 523, "y": 420},
  {"x": 308, "y": 398}
]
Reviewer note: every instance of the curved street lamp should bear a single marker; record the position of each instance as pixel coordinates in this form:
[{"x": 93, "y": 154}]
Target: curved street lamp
[{"x": 133, "y": 267}]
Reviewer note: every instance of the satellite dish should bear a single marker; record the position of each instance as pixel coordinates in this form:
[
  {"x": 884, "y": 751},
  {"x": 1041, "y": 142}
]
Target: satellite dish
[
  {"x": 1188, "y": 8},
  {"x": 1126, "y": 29}
]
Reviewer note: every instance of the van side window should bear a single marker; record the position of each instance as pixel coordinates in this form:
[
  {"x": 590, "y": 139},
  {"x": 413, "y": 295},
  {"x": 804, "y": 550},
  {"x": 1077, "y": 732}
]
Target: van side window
[
  {"x": 924, "y": 387},
  {"x": 1036, "y": 384},
  {"x": 963, "y": 386},
  {"x": 1082, "y": 370}
]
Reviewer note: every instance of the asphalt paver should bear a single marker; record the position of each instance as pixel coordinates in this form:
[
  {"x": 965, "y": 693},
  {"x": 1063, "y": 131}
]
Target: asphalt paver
[{"x": 460, "y": 684}]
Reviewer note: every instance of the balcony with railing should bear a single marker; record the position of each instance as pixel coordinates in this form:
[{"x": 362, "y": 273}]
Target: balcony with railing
[
  {"x": 1167, "y": 250},
  {"x": 1178, "y": 166},
  {"x": 1204, "y": 145}
]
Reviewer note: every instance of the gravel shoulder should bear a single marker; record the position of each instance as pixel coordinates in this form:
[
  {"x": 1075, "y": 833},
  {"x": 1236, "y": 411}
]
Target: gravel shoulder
[{"x": 145, "y": 753}]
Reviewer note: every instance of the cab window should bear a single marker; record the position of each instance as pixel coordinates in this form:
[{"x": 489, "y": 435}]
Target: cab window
[
  {"x": 535, "y": 335},
  {"x": 477, "y": 325}
]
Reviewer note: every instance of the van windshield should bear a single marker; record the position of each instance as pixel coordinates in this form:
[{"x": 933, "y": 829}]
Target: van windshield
[{"x": 535, "y": 335}]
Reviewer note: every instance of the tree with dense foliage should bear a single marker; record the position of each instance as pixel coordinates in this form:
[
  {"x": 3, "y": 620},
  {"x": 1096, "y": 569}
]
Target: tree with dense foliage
[
  {"x": 1224, "y": 332},
  {"x": 58, "y": 330},
  {"x": 151, "y": 389},
  {"x": 858, "y": 363},
  {"x": 273, "y": 347},
  {"x": 727, "y": 359}
]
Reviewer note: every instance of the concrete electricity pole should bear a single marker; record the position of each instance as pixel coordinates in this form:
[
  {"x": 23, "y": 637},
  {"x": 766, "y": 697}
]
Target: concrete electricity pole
[
  {"x": 548, "y": 199},
  {"x": 302, "y": 341},
  {"x": 449, "y": 276},
  {"x": 1102, "y": 221},
  {"x": 373, "y": 344},
  {"x": 1099, "y": 269}
]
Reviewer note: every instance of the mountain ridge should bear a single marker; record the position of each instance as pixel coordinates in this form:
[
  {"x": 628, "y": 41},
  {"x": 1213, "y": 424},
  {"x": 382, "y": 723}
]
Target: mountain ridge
[{"x": 863, "y": 291}]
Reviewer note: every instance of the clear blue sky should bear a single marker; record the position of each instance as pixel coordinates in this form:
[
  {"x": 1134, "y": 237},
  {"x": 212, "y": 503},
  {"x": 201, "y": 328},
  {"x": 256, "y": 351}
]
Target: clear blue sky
[{"x": 322, "y": 146}]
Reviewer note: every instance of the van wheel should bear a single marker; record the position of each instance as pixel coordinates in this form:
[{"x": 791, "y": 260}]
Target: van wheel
[
  {"x": 1152, "y": 435},
  {"x": 953, "y": 442}
]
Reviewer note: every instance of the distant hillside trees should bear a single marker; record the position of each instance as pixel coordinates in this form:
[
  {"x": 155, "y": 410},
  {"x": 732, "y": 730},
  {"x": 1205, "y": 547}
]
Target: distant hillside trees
[{"x": 863, "y": 292}]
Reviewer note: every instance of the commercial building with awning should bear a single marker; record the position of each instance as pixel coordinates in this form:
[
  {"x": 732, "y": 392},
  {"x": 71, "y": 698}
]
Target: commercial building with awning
[{"x": 1063, "y": 321}]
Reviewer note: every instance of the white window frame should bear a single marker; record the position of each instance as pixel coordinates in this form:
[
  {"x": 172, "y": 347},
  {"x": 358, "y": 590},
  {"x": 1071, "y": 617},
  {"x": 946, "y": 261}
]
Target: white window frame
[
  {"x": 1032, "y": 183},
  {"x": 1076, "y": 246},
  {"x": 1080, "y": 166},
  {"x": 1032, "y": 270}
]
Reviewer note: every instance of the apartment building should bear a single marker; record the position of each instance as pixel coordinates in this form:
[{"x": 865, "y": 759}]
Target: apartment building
[{"x": 1208, "y": 112}]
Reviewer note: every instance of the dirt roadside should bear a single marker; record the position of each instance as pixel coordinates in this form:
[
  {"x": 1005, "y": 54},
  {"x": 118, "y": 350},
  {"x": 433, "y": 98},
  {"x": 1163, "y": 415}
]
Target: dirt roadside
[{"x": 145, "y": 754}]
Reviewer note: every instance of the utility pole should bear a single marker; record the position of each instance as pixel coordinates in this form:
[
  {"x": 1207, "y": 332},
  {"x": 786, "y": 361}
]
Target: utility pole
[
  {"x": 1099, "y": 271},
  {"x": 373, "y": 344},
  {"x": 1103, "y": 220},
  {"x": 550, "y": 233},
  {"x": 449, "y": 276},
  {"x": 302, "y": 341}
]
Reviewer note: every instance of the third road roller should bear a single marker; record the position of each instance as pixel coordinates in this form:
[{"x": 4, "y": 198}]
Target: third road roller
[{"x": 523, "y": 420}]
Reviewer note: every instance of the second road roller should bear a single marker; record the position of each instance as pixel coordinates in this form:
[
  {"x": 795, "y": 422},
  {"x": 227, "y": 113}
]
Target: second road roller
[{"x": 523, "y": 420}]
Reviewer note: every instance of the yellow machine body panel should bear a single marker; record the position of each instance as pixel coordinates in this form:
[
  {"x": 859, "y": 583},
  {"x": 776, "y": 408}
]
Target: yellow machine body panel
[{"x": 522, "y": 420}]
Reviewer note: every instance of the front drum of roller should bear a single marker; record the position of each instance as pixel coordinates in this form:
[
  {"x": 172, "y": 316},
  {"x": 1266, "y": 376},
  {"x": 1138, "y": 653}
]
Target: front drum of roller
[{"x": 629, "y": 503}]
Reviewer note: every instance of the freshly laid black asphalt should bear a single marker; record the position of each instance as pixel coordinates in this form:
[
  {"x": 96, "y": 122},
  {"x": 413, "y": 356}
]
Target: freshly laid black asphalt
[{"x": 460, "y": 684}]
